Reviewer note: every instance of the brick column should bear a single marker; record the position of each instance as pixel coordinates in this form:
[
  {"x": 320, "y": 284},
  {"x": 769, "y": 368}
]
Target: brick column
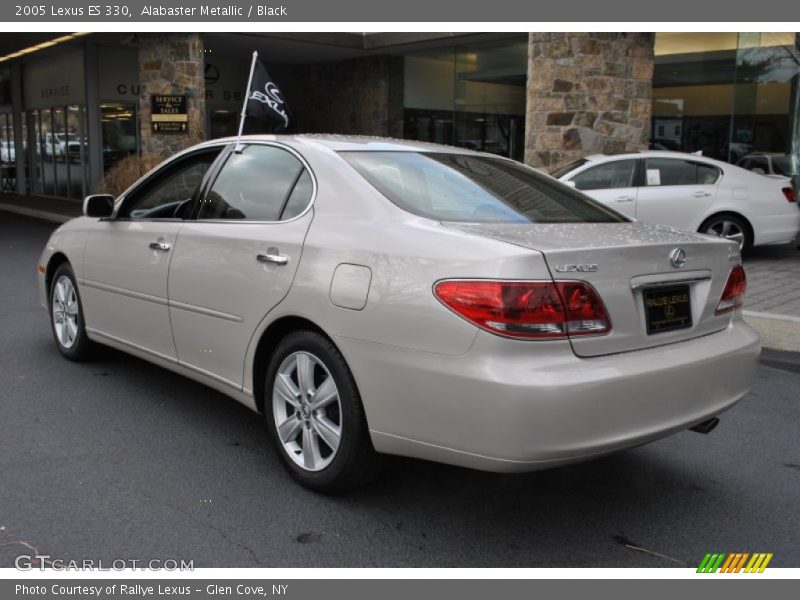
[
  {"x": 171, "y": 63},
  {"x": 588, "y": 93}
]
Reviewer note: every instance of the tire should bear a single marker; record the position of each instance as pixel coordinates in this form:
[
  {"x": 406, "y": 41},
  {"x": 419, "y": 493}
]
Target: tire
[
  {"x": 307, "y": 368},
  {"x": 66, "y": 316},
  {"x": 731, "y": 227}
]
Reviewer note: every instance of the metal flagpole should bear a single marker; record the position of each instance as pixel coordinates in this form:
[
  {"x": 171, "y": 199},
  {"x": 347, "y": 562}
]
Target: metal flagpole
[{"x": 238, "y": 147}]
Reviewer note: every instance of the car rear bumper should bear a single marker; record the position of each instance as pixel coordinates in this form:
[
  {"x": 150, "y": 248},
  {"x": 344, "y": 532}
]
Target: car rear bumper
[
  {"x": 520, "y": 406},
  {"x": 777, "y": 229}
]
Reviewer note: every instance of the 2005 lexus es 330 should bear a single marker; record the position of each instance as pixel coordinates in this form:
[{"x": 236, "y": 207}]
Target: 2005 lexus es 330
[{"x": 373, "y": 296}]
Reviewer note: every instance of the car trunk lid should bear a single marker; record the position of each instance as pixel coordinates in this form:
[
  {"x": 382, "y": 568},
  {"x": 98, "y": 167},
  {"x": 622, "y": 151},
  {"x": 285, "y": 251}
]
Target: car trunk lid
[{"x": 629, "y": 264}]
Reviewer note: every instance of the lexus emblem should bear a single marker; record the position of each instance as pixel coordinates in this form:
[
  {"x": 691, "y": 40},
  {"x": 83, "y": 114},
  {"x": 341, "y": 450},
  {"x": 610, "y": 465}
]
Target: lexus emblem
[{"x": 677, "y": 258}]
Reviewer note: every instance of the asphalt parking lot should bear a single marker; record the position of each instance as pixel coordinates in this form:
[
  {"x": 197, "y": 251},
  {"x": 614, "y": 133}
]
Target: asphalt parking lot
[{"x": 121, "y": 459}]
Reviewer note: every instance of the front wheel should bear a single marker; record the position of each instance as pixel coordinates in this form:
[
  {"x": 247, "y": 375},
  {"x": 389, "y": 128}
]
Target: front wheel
[
  {"x": 66, "y": 316},
  {"x": 315, "y": 417}
]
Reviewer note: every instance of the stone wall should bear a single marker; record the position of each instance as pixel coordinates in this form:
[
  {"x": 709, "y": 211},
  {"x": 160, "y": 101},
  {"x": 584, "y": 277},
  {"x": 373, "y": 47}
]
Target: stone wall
[
  {"x": 171, "y": 63},
  {"x": 588, "y": 93},
  {"x": 362, "y": 96}
]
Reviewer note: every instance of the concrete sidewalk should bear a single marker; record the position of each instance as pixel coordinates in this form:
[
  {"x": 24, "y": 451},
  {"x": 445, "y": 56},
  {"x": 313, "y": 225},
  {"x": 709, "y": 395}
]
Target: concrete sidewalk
[{"x": 772, "y": 304}]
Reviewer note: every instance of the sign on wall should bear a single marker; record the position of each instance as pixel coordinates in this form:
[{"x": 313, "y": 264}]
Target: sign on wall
[{"x": 169, "y": 113}]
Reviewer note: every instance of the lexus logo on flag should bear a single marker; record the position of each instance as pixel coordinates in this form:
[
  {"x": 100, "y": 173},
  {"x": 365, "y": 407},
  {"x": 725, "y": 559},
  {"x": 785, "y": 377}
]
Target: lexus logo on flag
[{"x": 265, "y": 99}]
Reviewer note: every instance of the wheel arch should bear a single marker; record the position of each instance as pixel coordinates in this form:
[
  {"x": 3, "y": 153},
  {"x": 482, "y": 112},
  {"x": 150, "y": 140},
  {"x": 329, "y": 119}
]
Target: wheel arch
[
  {"x": 56, "y": 260},
  {"x": 730, "y": 213},
  {"x": 267, "y": 343}
]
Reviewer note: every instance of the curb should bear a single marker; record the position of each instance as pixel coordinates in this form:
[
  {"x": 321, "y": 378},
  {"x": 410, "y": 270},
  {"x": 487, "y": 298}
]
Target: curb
[
  {"x": 773, "y": 316},
  {"x": 777, "y": 359},
  {"x": 38, "y": 214}
]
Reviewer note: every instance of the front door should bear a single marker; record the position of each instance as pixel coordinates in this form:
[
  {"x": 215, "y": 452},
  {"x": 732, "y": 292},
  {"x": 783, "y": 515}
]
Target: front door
[
  {"x": 124, "y": 285},
  {"x": 236, "y": 260},
  {"x": 612, "y": 183}
]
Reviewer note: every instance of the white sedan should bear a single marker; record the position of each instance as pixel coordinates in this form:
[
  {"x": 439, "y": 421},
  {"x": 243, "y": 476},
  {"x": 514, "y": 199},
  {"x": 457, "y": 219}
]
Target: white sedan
[{"x": 691, "y": 192}]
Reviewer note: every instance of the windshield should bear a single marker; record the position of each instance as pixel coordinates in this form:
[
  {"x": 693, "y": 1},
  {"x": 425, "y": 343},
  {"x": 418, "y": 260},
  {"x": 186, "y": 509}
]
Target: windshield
[
  {"x": 459, "y": 187},
  {"x": 564, "y": 169}
]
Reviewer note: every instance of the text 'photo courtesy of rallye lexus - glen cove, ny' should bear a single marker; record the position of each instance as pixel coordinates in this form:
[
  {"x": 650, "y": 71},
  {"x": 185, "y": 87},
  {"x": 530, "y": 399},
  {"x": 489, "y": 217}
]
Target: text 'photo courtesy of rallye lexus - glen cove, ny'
[{"x": 372, "y": 296}]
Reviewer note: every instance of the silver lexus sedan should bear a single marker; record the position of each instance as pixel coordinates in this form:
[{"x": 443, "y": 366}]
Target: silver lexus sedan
[{"x": 373, "y": 296}]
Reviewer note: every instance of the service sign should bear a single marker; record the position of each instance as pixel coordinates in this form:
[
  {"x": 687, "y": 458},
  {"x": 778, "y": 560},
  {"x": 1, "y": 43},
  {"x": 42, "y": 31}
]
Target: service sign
[{"x": 169, "y": 113}]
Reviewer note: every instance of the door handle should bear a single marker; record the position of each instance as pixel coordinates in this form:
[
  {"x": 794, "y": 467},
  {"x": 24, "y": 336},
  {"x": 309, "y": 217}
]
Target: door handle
[
  {"x": 272, "y": 256},
  {"x": 163, "y": 246},
  {"x": 701, "y": 194},
  {"x": 625, "y": 199}
]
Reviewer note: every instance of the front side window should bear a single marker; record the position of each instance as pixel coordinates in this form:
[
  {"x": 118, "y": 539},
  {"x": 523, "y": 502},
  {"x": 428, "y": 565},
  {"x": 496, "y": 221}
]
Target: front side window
[
  {"x": 672, "y": 171},
  {"x": 262, "y": 183},
  {"x": 172, "y": 187},
  {"x": 616, "y": 174},
  {"x": 459, "y": 187}
]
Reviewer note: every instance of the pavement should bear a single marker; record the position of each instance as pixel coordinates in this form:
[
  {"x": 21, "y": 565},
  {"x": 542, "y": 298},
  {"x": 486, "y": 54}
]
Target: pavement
[{"x": 118, "y": 458}]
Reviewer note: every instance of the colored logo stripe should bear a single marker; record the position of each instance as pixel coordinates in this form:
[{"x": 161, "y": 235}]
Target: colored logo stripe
[{"x": 734, "y": 563}]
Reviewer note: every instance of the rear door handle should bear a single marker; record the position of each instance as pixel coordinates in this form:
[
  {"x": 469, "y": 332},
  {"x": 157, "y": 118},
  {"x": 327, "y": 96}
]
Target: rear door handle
[
  {"x": 701, "y": 194},
  {"x": 273, "y": 256},
  {"x": 625, "y": 199},
  {"x": 160, "y": 245}
]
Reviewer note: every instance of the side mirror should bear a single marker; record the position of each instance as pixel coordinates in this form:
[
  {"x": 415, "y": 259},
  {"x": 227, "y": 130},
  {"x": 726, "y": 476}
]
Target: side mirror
[{"x": 98, "y": 205}]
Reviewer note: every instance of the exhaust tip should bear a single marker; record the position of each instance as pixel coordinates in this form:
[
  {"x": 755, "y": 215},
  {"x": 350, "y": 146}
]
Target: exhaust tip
[{"x": 706, "y": 426}]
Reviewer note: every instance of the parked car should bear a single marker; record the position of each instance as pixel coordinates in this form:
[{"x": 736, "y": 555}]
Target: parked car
[
  {"x": 62, "y": 146},
  {"x": 372, "y": 296},
  {"x": 770, "y": 163},
  {"x": 691, "y": 192}
]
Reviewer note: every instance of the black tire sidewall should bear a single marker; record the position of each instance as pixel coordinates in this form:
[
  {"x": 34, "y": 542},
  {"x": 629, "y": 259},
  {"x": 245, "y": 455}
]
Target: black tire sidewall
[
  {"x": 343, "y": 471},
  {"x": 80, "y": 349}
]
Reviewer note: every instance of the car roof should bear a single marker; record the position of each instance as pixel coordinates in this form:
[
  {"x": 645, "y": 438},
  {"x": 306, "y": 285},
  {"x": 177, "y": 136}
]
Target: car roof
[
  {"x": 655, "y": 154},
  {"x": 354, "y": 142}
]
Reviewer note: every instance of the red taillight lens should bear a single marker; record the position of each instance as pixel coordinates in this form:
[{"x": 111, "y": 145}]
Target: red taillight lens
[
  {"x": 733, "y": 294},
  {"x": 534, "y": 309},
  {"x": 789, "y": 193}
]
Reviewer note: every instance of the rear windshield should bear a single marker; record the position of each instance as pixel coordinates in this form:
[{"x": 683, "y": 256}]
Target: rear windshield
[{"x": 458, "y": 187}]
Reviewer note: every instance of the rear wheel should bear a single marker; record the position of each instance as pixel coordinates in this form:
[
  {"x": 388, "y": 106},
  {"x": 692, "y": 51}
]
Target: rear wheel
[
  {"x": 66, "y": 316},
  {"x": 729, "y": 227},
  {"x": 315, "y": 417}
]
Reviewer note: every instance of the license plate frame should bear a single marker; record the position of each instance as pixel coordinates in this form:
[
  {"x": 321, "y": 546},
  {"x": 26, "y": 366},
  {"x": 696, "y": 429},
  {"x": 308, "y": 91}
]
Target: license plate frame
[{"x": 667, "y": 308}]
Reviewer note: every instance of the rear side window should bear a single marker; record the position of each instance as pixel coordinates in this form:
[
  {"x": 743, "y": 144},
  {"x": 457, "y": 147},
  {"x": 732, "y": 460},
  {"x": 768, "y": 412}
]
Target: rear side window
[
  {"x": 262, "y": 183},
  {"x": 610, "y": 175},
  {"x": 672, "y": 171},
  {"x": 458, "y": 187}
]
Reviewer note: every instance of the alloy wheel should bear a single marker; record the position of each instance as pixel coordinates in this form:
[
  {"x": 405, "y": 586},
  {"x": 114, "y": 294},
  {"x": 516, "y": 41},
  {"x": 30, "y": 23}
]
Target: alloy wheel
[
  {"x": 728, "y": 229},
  {"x": 65, "y": 312},
  {"x": 307, "y": 411}
]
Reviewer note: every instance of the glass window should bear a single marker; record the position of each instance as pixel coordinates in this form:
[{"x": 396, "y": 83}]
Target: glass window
[
  {"x": 616, "y": 174},
  {"x": 671, "y": 171},
  {"x": 570, "y": 166},
  {"x": 162, "y": 194},
  {"x": 300, "y": 197},
  {"x": 118, "y": 128},
  {"x": 457, "y": 187},
  {"x": 256, "y": 185}
]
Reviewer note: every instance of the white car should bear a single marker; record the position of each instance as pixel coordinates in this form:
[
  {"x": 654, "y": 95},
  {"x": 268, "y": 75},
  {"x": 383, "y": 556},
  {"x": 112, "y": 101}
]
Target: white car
[
  {"x": 770, "y": 163},
  {"x": 690, "y": 192}
]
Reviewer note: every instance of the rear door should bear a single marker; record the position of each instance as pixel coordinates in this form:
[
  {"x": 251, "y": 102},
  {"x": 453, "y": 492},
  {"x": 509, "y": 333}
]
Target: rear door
[
  {"x": 613, "y": 183},
  {"x": 237, "y": 258},
  {"x": 676, "y": 191}
]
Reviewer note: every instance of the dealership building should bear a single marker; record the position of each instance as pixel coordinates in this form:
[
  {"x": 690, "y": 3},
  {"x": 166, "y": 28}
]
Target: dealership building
[{"x": 72, "y": 106}]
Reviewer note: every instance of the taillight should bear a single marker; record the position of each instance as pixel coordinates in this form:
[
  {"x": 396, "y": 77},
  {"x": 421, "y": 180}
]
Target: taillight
[
  {"x": 733, "y": 294},
  {"x": 789, "y": 193},
  {"x": 529, "y": 309}
]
